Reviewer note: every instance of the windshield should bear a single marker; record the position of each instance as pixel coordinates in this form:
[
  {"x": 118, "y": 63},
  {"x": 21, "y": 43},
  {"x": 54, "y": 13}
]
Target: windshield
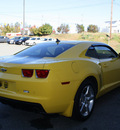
[
  {"x": 45, "y": 50},
  {"x": 22, "y": 38},
  {"x": 32, "y": 38},
  {"x": 16, "y": 38}
]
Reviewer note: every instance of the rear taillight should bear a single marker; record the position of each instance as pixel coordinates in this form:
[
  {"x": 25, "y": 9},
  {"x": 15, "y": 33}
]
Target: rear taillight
[
  {"x": 27, "y": 72},
  {"x": 42, "y": 73}
]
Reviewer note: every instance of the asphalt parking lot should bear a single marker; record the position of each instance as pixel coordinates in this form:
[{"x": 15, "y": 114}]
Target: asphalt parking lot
[
  {"x": 10, "y": 49},
  {"x": 106, "y": 115}
]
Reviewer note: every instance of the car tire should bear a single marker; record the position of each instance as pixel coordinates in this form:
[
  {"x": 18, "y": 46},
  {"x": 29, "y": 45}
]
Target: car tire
[
  {"x": 26, "y": 44},
  {"x": 84, "y": 100},
  {"x": 34, "y": 43}
]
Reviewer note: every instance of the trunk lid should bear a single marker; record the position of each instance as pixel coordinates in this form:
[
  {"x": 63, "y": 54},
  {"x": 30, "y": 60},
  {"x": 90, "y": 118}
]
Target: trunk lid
[{"x": 14, "y": 64}]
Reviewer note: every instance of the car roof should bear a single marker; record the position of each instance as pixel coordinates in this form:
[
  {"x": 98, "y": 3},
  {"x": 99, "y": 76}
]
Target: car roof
[{"x": 93, "y": 43}]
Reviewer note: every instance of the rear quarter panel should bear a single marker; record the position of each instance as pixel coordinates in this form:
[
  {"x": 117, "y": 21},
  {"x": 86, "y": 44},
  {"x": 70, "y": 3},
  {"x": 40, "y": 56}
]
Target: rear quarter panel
[{"x": 75, "y": 72}]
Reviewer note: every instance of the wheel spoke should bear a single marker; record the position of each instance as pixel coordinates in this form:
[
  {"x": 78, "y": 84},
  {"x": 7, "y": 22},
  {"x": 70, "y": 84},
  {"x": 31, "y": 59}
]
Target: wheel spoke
[
  {"x": 86, "y": 100},
  {"x": 87, "y": 91},
  {"x": 91, "y": 105},
  {"x": 90, "y": 98},
  {"x": 82, "y": 106},
  {"x": 87, "y": 109}
]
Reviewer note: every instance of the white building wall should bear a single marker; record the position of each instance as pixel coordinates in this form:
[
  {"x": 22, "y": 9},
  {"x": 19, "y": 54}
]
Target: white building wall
[{"x": 115, "y": 26}]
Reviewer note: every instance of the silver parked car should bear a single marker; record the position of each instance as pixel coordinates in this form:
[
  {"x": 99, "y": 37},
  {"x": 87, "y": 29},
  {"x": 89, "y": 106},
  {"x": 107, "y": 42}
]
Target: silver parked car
[{"x": 3, "y": 39}]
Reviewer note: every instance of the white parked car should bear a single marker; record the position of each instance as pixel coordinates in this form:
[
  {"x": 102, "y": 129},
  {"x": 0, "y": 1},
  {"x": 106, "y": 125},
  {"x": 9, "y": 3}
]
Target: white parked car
[
  {"x": 51, "y": 39},
  {"x": 36, "y": 40},
  {"x": 33, "y": 41}
]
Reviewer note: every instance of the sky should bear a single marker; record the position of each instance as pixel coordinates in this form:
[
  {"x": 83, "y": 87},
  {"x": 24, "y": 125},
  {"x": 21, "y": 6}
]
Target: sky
[{"x": 55, "y": 13}]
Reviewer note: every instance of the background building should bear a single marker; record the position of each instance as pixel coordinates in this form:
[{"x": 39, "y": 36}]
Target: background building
[{"x": 115, "y": 26}]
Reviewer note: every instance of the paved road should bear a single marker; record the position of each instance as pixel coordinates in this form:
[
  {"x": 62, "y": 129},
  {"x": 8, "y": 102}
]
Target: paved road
[
  {"x": 9, "y": 49},
  {"x": 106, "y": 115}
]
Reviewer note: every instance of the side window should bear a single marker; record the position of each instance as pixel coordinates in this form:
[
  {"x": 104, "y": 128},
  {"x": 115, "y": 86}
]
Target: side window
[
  {"x": 91, "y": 52},
  {"x": 105, "y": 52}
]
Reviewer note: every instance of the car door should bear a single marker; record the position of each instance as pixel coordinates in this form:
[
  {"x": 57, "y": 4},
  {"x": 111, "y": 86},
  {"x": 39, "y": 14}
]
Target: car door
[
  {"x": 2, "y": 39},
  {"x": 110, "y": 65},
  {"x": 37, "y": 40},
  {"x": 5, "y": 39}
]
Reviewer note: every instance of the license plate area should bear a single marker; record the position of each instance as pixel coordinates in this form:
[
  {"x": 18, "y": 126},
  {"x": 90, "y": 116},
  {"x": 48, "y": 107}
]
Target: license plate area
[
  {"x": 7, "y": 85},
  {"x": 0, "y": 84}
]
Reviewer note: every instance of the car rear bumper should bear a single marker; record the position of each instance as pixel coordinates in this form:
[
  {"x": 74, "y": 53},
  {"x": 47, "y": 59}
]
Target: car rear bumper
[
  {"x": 26, "y": 43},
  {"x": 9, "y": 42},
  {"x": 18, "y": 43},
  {"x": 34, "y": 107},
  {"x": 52, "y": 93}
]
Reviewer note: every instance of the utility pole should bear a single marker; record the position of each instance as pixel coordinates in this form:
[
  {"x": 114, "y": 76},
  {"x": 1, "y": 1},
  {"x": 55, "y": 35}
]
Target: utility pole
[
  {"x": 111, "y": 18},
  {"x": 23, "y": 18}
]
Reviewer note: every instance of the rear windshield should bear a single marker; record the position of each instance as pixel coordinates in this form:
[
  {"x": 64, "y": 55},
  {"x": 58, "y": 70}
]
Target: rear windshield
[
  {"x": 16, "y": 38},
  {"x": 45, "y": 50}
]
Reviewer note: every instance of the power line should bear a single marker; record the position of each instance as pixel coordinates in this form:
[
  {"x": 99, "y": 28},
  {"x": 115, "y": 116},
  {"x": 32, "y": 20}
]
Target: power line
[
  {"x": 69, "y": 8},
  {"x": 60, "y": 9}
]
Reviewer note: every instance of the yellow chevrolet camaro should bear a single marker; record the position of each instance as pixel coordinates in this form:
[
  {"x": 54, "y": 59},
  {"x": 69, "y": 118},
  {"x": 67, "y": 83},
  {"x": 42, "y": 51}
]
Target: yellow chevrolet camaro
[{"x": 62, "y": 77}]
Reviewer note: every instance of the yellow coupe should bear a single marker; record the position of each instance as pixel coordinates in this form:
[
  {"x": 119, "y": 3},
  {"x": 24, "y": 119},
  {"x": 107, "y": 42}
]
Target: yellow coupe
[{"x": 62, "y": 77}]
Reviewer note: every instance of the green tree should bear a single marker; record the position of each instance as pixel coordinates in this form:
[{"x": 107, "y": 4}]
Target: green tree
[
  {"x": 6, "y": 29},
  {"x": 63, "y": 28},
  {"x": 46, "y": 29},
  {"x": 12, "y": 28},
  {"x": 59, "y": 29},
  {"x": 92, "y": 28},
  {"x": 40, "y": 31},
  {"x": 80, "y": 28},
  {"x": 34, "y": 30},
  {"x": 17, "y": 27}
]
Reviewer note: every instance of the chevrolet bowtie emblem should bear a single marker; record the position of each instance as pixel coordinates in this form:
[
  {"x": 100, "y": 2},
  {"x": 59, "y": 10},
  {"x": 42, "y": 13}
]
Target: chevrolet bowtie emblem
[{"x": 3, "y": 70}]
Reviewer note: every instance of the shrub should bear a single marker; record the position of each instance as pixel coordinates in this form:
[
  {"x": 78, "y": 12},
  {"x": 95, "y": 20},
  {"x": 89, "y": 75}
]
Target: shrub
[
  {"x": 80, "y": 28},
  {"x": 92, "y": 28}
]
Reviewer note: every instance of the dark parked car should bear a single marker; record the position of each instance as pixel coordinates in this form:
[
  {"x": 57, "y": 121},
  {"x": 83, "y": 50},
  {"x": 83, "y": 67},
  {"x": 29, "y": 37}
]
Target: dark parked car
[
  {"x": 3, "y": 39},
  {"x": 13, "y": 40},
  {"x": 21, "y": 40}
]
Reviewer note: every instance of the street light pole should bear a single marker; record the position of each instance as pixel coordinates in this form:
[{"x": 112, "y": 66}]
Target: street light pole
[
  {"x": 23, "y": 18},
  {"x": 111, "y": 18}
]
